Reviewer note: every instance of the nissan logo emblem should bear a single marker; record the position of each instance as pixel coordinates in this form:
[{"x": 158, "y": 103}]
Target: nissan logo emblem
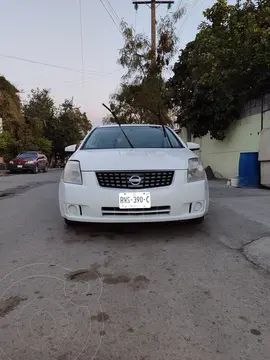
[{"x": 135, "y": 180}]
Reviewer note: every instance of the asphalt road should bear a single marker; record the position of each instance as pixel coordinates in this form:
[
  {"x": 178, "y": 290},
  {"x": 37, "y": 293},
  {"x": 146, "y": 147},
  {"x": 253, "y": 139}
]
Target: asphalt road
[{"x": 143, "y": 292}]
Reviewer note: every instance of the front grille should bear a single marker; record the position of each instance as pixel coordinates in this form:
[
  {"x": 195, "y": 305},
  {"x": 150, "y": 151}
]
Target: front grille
[
  {"x": 148, "y": 179},
  {"x": 154, "y": 210}
]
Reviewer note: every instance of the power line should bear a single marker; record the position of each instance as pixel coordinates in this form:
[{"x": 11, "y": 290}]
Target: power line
[
  {"x": 82, "y": 49},
  {"x": 188, "y": 14},
  {"x": 113, "y": 11},
  {"x": 179, "y": 5},
  {"x": 77, "y": 81},
  {"x": 111, "y": 16},
  {"x": 81, "y": 36},
  {"x": 49, "y": 65}
]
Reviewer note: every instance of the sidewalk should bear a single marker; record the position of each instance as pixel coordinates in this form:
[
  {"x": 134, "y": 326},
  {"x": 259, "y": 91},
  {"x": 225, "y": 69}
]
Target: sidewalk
[
  {"x": 242, "y": 219},
  {"x": 251, "y": 203}
]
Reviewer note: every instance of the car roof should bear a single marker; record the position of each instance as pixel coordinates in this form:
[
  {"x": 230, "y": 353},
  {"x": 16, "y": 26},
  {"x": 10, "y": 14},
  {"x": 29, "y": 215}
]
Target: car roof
[
  {"x": 30, "y": 151},
  {"x": 133, "y": 125}
]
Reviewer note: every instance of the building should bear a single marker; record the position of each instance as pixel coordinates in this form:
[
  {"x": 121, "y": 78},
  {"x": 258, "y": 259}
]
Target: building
[{"x": 242, "y": 136}]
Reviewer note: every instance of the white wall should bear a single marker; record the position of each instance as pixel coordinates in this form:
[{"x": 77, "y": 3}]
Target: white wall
[{"x": 242, "y": 136}]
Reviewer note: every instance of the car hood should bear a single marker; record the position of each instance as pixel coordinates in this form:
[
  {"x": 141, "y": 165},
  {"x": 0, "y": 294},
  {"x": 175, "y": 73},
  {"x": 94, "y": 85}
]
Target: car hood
[
  {"x": 22, "y": 160},
  {"x": 133, "y": 159}
]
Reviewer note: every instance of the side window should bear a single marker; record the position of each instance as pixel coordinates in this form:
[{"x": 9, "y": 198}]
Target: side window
[{"x": 174, "y": 141}]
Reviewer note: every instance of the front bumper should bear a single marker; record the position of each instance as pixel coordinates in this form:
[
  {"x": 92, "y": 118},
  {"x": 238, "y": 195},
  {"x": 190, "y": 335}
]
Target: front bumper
[
  {"x": 91, "y": 203},
  {"x": 24, "y": 167}
]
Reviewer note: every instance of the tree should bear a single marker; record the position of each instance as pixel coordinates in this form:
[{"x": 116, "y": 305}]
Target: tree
[
  {"x": 143, "y": 95},
  {"x": 70, "y": 127},
  {"x": 51, "y": 128},
  {"x": 141, "y": 103},
  {"x": 227, "y": 64},
  {"x": 10, "y": 107},
  {"x": 9, "y": 146},
  {"x": 13, "y": 121},
  {"x": 22, "y": 125},
  {"x": 38, "y": 124},
  {"x": 39, "y": 114},
  {"x": 39, "y": 111}
]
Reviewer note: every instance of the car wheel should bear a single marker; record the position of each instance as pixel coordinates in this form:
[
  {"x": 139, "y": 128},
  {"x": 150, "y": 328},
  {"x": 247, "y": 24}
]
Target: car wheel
[
  {"x": 35, "y": 170},
  {"x": 199, "y": 220},
  {"x": 11, "y": 171},
  {"x": 45, "y": 169}
]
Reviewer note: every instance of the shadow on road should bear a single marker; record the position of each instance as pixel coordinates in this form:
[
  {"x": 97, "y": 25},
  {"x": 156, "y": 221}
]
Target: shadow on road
[{"x": 130, "y": 232}]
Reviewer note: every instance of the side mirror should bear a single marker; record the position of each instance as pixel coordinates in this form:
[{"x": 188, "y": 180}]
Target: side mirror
[
  {"x": 71, "y": 148},
  {"x": 193, "y": 146}
]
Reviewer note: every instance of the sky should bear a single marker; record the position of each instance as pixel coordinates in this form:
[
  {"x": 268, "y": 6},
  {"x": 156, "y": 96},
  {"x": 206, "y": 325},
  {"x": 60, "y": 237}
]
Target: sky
[{"x": 49, "y": 32}]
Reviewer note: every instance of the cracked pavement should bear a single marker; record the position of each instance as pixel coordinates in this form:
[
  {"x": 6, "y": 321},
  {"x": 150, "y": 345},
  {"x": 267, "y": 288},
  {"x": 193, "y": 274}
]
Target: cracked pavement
[{"x": 146, "y": 292}]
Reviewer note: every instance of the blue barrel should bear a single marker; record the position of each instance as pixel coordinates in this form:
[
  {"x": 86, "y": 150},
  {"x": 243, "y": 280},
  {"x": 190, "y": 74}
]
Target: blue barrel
[{"x": 249, "y": 170}]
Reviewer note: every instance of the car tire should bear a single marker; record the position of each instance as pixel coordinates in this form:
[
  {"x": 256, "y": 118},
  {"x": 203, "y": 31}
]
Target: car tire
[
  {"x": 45, "y": 169},
  {"x": 11, "y": 171},
  {"x": 199, "y": 220},
  {"x": 35, "y": 170}
]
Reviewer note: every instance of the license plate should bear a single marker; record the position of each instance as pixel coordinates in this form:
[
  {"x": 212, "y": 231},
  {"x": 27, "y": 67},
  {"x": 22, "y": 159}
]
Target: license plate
[
  {"x": 19, "y": 166},
  {"x": 134, "y": 200}
]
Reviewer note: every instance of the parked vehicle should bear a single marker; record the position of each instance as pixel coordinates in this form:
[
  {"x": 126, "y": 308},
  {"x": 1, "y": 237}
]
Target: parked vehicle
[
  {"x": 133, "y": 173},
  {"x": 32, "y": 161}
]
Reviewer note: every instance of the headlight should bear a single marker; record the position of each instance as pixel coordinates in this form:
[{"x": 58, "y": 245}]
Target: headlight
[
  {"x": 72, "y": 173},
  {"x": 30, "y": 162},
  {"x": 195, "y": 170},
  {"x": 11, "y": 162}
]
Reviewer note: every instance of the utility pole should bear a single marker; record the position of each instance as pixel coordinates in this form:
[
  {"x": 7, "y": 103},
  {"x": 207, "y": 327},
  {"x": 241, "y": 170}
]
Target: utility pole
[
  {"x": 153, "y": 30},
  {"x": 153, "y": 5}
]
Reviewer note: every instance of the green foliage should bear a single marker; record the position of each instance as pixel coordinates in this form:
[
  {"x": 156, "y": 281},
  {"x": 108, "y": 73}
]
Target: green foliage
[
  {"x": 8, "y": 145},
  {"x": 40, "y": 114},
  {"x": 227, "y": 64},
  {"x": 70, "y": 126},
  {"x": 44, "y": 145},
  {"x": 145, "y": 102},
  {"x": 39, "y": 111},
  {"x": 142, "y": 95},
  {"x": 38, "y": 124},
  {"x": 54, "y": 128},
  {"x": 10, "y": 107},
  {"x": 36, "y": 143}
]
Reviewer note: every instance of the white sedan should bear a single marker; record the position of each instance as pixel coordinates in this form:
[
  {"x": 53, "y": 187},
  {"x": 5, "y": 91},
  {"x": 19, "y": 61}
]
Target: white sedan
[{"x": 133, "y": 173}]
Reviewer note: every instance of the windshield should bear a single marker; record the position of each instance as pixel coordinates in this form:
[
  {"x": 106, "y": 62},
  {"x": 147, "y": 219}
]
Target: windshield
[
  {"x": 30, "y": 155},
  {"x": 139, "y": 136}
]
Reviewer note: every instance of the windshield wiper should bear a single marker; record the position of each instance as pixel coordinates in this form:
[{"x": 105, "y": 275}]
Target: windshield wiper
[
  {"x": 118, "y": 123},
  {"x": 166, "y": 135}
]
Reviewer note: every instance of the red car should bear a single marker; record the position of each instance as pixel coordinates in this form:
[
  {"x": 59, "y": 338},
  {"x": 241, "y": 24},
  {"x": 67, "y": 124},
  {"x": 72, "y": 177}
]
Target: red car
[{"x": 32, "y": 161}]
